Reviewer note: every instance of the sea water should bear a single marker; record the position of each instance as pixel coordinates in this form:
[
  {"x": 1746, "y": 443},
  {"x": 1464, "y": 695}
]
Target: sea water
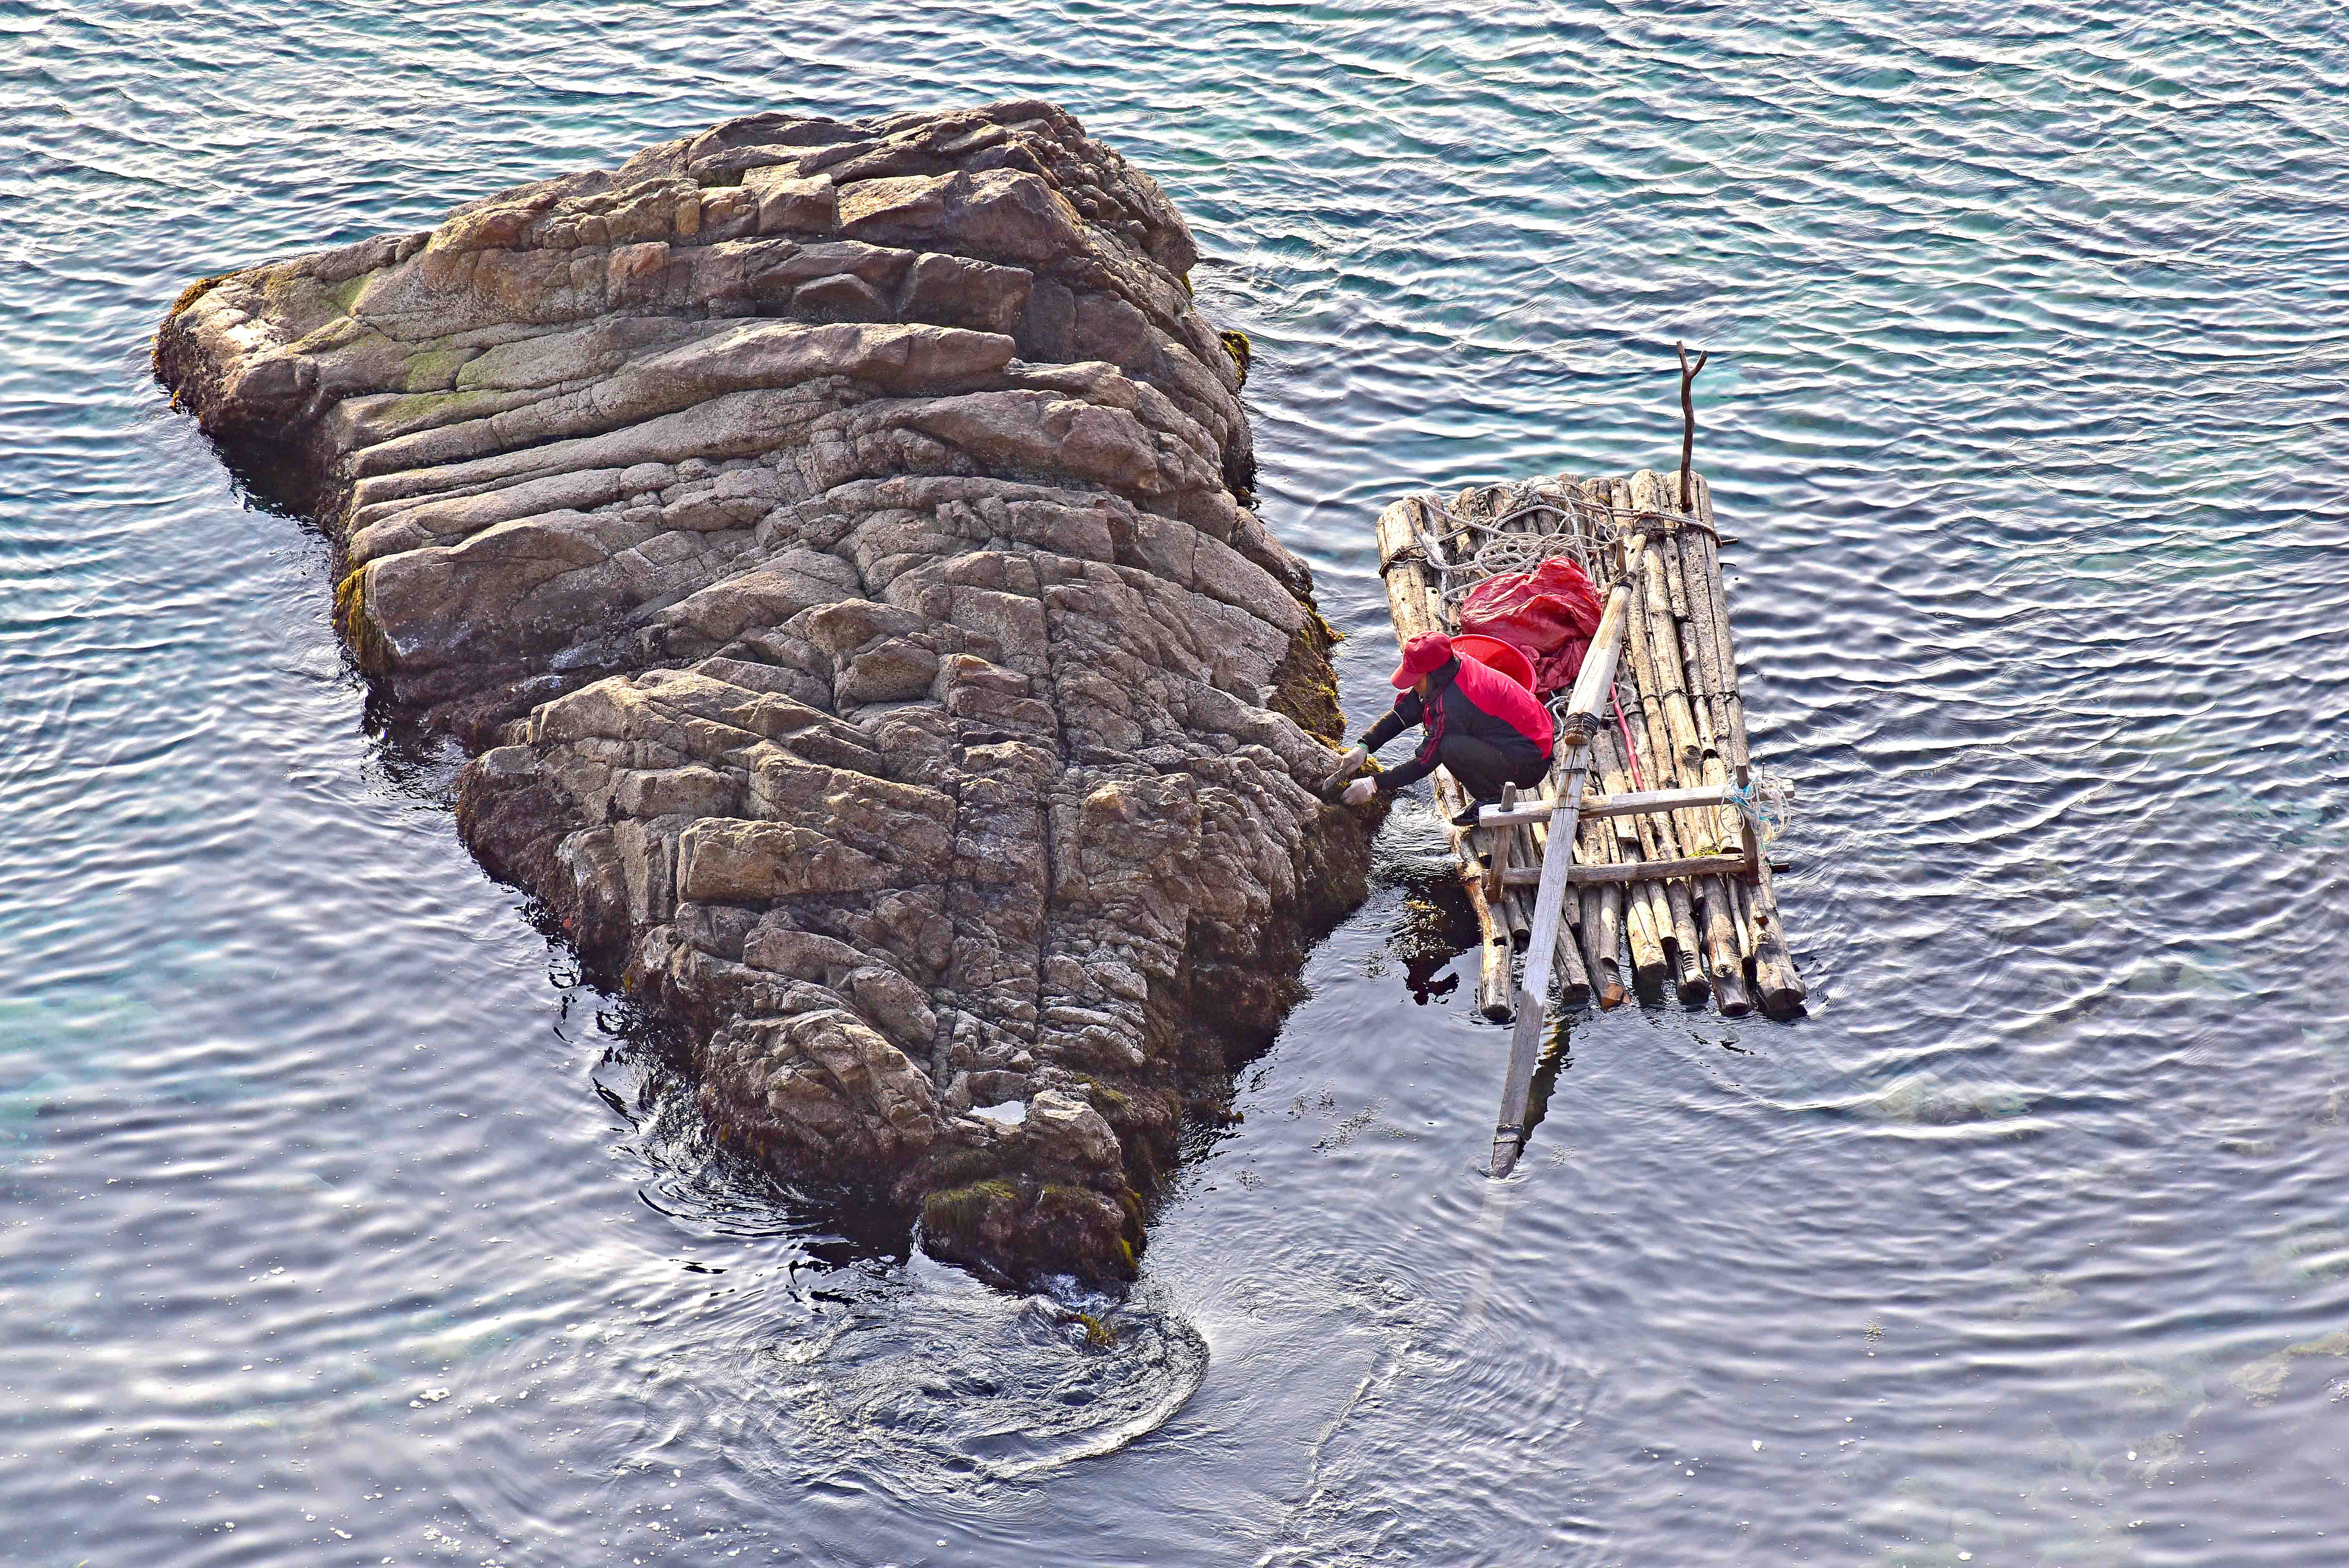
[{"x": 341, "y": 1221}]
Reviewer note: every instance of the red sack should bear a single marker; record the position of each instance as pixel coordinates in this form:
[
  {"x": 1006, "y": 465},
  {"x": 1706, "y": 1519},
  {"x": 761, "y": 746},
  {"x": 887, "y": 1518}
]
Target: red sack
[{"x": 1551, "y": 613}]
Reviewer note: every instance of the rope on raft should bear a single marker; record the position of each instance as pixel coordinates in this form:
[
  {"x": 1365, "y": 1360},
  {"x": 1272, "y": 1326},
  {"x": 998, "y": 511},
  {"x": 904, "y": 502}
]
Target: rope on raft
[
  {"x": 1768, "y": 802},
  {"x": 1464, "y": 551}
]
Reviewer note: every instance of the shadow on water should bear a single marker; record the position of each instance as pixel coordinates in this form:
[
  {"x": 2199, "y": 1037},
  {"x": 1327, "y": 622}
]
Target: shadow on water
[
  {"x": 1433, "y": 927},
  {"x": 1557, "y": 1056}
]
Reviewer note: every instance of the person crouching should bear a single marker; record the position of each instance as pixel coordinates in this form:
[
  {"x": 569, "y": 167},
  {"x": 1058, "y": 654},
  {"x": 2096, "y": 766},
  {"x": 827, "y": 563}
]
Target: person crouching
[{"x": 1486, "y": 729}]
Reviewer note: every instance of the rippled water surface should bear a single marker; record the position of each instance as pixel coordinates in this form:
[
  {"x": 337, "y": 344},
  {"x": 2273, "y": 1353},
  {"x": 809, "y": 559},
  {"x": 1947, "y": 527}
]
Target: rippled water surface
[{"x": 341, "y": 1223}]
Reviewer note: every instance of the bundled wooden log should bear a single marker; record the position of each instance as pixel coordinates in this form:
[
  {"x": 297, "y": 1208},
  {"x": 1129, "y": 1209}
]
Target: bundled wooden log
[
  {"x": 1575, "y": 977},
  {"x": 1412, "y": 604},
  {"x": 1674, "y": 747},
  {"x": 1647, "y": 921},
  {"x": 1669, "y": 892},
  {"x": 1601, "y": 931},
  {"x": 1669, "y": 918},
  {"x": 1778, "y": 981}
]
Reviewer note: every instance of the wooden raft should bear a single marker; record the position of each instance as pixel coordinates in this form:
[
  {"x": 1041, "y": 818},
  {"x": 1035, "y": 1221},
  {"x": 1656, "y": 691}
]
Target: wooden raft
[{"x": 1651, "y": 751}]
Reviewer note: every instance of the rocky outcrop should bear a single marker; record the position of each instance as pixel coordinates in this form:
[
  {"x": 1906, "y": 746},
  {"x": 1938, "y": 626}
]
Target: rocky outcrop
[{"x": 834, "y": 541}]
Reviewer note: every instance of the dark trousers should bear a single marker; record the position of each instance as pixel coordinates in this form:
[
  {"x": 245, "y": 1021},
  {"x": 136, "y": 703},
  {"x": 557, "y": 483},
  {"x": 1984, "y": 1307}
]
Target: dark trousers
[{"x": 1482, "y": 768}]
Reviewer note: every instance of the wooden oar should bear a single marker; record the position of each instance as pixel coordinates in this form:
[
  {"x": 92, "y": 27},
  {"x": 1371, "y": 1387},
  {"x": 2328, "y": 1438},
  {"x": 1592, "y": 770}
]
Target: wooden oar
[{"x": 1591, "y": 688}]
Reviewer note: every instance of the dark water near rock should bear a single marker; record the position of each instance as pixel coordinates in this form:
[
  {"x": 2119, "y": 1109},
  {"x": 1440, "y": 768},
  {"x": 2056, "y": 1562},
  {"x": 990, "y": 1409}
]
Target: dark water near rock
[{"x": 340, "y": 1224}]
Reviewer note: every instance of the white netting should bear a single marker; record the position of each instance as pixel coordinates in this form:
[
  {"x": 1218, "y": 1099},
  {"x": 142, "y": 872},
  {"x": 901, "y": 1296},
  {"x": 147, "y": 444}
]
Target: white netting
[
  {"x": 1768, "y": 802},
  {"x": 1529, "y": 522}
]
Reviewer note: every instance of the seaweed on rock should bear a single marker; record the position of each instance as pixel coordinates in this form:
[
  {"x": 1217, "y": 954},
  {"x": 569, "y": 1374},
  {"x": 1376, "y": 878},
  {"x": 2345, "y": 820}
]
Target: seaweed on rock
[{"x": 830, "y": 539}]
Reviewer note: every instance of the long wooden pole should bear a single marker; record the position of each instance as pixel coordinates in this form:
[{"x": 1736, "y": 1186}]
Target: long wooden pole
[
  {"x": 1591, "y": 688},
  {"x": 1645, "y": 922},
  {"x": 1688, "y": 418},
  {"x": 1574, "y": 980},
  {"x": 1669, "y": 734},
  {"x": 1411, "y": 602},
  {"x": 1693, "y": 983},
  {"x": 1776, "y": 977},
  {"x": 1622, "y": 803},
  {"x": 1619, "y": 873}
]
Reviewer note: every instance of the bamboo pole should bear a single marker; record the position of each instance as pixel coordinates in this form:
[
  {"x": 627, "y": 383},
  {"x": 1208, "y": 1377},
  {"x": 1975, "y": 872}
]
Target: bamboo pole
[
  {"x": 1779, "y": 983},
  {"x": 1709, "y": 618},
  {"x": 1724, "y": 965},
  {"x": 1647, "y": 921},
  {"x": 1659, "y": 921},
  {"x": 1698, "y": 831},
  {"x": 1606, "y": 980},
  {"x": 1574, "y": 986},
  {"x": 1667, "y": 656},
  {"x": 1695, "y": 831},
  {"x": 1602, "y": 935},
  {"x": 1725, "y": 825},
  {"x": 1639, "y": 930},
  {"x": 1707, "y": 546},
  {"x": 1643, "y": 804},
  {"x": 1653, "y": 735},
  {"x": 1660, "y": 911},
  {"x": 1664, "y": 773},
  {"x": 1724, "y": 959},
  {"x": 1673, "y": 573},
  {"x": 1610, "y": 933},
  {"x": 1693, "y": 983},
  {"x": 1620, "y": 874},
  {"x": 1515, "y": 850},
  {"x": 1690, "y": 979},
  {"x": 1649, "y": 686},
  {"x": 1410, "y": 604},
  {"x": 1590, "y": 688},
  {"x": 1689, "y": 976}
]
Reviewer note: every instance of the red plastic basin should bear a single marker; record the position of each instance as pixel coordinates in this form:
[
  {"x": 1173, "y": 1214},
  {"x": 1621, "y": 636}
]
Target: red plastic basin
[{"x": 1495, "y": 654}]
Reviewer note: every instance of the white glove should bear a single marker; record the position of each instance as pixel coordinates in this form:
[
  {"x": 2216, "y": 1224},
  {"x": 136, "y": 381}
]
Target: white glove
[
  {"x": 1350, "y": 760},
  {"x": 1359, "y": 791}
]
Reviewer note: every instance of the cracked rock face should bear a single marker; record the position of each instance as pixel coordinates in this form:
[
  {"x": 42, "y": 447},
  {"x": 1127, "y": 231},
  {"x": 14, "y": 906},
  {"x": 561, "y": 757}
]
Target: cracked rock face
[{"x": 832, "y": 540}]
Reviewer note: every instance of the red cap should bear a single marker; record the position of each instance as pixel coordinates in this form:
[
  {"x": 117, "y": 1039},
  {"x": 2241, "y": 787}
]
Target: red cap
[{"x": 1424, "y": 654}]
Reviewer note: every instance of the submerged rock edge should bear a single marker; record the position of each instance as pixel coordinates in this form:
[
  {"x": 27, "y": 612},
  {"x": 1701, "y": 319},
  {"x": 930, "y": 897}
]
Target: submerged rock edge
[{"x": 833, "y": 540}]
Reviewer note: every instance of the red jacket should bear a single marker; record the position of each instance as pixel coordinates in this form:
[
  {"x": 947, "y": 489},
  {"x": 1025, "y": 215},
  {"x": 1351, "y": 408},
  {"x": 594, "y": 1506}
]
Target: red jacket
[
  {"x": 1475, "y": 701},
  {"x": 1495, "y": 694}
]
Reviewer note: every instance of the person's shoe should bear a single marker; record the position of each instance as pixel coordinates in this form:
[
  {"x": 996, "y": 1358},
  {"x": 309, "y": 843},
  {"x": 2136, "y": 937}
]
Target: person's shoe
[{"x": 1467, "y": 819}]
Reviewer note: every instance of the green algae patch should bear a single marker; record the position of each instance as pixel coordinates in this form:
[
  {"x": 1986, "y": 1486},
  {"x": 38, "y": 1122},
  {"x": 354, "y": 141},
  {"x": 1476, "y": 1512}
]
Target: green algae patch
[
  {"x": 1304, "y": 686},
  {"x": 1013, "y": 1228},
  {"x": 424, "y": 409},
  {"x": 437, "y": 370},
  {"x": 369, "y": 645},
  {"x": 196, "y": 291},
  {"x": 956, "y": 1215},
  {"x": 343, "y": 296},
  {"x": 1236, "y": 343},
  {"x": 1110, "y": 1103}
]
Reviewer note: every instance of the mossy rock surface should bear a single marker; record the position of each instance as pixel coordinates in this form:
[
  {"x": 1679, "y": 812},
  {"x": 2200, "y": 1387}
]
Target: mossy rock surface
[
  {"x": 1018, "y": 1229},
  {"x": 847, "y": 583}
]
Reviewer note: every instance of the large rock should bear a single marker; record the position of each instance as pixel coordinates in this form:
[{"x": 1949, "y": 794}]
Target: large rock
[{"x": 834, "y": 539}]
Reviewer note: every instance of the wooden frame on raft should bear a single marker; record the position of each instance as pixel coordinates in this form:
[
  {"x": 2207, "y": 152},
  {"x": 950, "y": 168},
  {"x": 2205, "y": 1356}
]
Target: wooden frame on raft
[{"x": 1665, "y": 860}]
